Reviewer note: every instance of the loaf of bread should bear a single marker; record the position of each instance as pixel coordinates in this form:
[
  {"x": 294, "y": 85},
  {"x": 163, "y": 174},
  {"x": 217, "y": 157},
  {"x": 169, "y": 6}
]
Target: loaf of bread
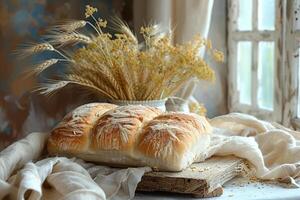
[{"x": 131, "y": 136}]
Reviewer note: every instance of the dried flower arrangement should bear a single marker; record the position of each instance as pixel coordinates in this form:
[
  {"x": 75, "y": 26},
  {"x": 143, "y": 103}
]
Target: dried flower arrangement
[{"x": 117, "y": 66}]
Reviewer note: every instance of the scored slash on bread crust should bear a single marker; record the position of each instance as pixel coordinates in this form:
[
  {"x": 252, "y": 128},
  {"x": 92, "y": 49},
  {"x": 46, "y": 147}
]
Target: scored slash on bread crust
[
  {"x": 172, "y": 141},
  {"x": 131, "y": 136},
  {"x": 72, "y": 134},
  {"x": 117, "y": 129}
]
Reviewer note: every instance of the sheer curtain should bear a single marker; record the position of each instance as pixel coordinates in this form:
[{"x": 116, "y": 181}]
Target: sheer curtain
[
  {"x": 190, "y": 18},
  {"x": 186, "y": 18}
]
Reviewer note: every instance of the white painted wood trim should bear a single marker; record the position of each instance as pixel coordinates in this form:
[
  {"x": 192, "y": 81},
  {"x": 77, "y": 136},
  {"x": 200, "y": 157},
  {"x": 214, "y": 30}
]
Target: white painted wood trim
[
  {"x": 234, "y": 36},
  {"x": 290, "y": 86}
]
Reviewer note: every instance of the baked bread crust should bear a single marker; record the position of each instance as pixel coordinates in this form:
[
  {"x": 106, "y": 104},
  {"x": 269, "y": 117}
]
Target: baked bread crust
[
  {"x": 131, "y": 136},
  {"x": 72, "y": 134},
  {"x": 118, "y": 128},
  {"x": 172, "y": 141}
]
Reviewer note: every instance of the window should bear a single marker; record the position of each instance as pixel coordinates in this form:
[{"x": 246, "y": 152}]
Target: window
[
  {"x": 255, "y": 47},
  {"x": 264, "y": 61}
]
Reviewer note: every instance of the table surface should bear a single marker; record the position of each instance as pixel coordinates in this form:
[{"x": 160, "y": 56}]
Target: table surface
[{"x": 236, "y": 189}]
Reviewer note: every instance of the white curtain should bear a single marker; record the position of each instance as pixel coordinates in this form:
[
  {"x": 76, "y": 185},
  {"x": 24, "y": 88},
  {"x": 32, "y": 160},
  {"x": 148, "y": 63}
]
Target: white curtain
[
  {"x": 185, "y": 17},
  {"x": 190, "y": 18}
]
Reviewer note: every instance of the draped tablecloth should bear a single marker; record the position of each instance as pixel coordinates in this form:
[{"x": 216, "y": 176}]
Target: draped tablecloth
[{"x": 273, "y": 152}]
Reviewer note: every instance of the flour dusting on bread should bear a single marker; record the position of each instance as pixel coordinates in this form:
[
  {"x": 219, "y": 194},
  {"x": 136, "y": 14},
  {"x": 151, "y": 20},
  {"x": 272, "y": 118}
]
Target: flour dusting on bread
[{"x": 131, "y": 136}]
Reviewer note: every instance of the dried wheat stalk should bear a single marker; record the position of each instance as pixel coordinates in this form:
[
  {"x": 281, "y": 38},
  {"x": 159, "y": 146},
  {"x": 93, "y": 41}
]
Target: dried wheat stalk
[
  {"x": 70, "y": 38},
  {"x": 43, "y": 66},
  {"x": 69, "y": 27},
  {"x": 34, "y": 49},
  {"x": 119, "y": 67}
]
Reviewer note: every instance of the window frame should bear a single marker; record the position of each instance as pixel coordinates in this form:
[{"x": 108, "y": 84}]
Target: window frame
[
  {"x": 255, "y": 36},
  {"x": 291, "y": 88}
]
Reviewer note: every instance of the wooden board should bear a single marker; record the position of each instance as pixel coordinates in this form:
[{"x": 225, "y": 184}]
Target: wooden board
[{"x": 200, "y": 179}]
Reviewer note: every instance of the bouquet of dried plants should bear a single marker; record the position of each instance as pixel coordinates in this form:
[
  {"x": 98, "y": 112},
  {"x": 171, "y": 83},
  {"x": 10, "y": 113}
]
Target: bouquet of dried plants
[{"x": 118, "y": 66}]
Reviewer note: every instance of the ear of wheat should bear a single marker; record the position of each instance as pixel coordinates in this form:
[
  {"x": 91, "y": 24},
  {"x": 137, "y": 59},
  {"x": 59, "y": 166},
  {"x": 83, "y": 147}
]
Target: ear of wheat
[
  {"x": 42, "y": 66},
  {"x": 118, "y": 66},
  {"x": 69, "y": 26},
  {"x": 52, "y": 87},
  {"x": 28, "y": 50},
  {"x": 122, "y": 27},
  {"x": 62, "y": 39}
]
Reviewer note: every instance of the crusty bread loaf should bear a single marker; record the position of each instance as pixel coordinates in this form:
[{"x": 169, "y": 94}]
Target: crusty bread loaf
[{"x": 131, "y": 136}]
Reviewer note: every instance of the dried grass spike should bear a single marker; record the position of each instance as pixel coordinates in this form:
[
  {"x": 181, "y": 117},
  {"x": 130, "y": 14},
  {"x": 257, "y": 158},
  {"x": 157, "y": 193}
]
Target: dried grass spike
[
  {"x": 155, "y": 29},
  {"x": 42, "y": 47},
  {"x": 50, "y": 88},
  {"x": 122, "y": 27},
  {"x": 151, "y": 30},
  {"x": 44, "y": 65},
  {"x": 70, "y": 38},
  {"x": 82, "y": 81},
  {"x": 40, "y": 68},
  {"x": 35, "y": 49},
  {"x": 70, "y": 27}
]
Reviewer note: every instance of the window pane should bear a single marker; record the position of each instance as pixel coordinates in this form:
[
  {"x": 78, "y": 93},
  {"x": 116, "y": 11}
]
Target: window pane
[
  {"x": 245, "y": 15},
  {"x": 266, "y": 14},
  {"x": 244, "y": 55},
  {"x": 266, "y": 65}
]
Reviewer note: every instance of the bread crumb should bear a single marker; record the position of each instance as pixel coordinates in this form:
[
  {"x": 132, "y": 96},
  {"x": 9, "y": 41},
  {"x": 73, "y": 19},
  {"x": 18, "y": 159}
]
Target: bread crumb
[{"x": 198, "y": 169}]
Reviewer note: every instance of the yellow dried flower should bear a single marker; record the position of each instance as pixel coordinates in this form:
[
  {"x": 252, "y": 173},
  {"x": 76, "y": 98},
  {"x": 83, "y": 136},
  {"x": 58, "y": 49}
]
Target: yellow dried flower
[
  {"x": 102, "y": 23},
  {"x": 142, "y": 30},
  {"x": 146, "y": 30},
  {"x": 218, "y": 55},
  {"x": 197, "y": 108},
  {"x": 89, "y": 11}
]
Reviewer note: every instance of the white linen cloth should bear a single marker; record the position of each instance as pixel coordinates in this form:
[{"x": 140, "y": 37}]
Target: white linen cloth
[
  {"x": 272, "y": 150},
  {"x": 59, "y": 177}
]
